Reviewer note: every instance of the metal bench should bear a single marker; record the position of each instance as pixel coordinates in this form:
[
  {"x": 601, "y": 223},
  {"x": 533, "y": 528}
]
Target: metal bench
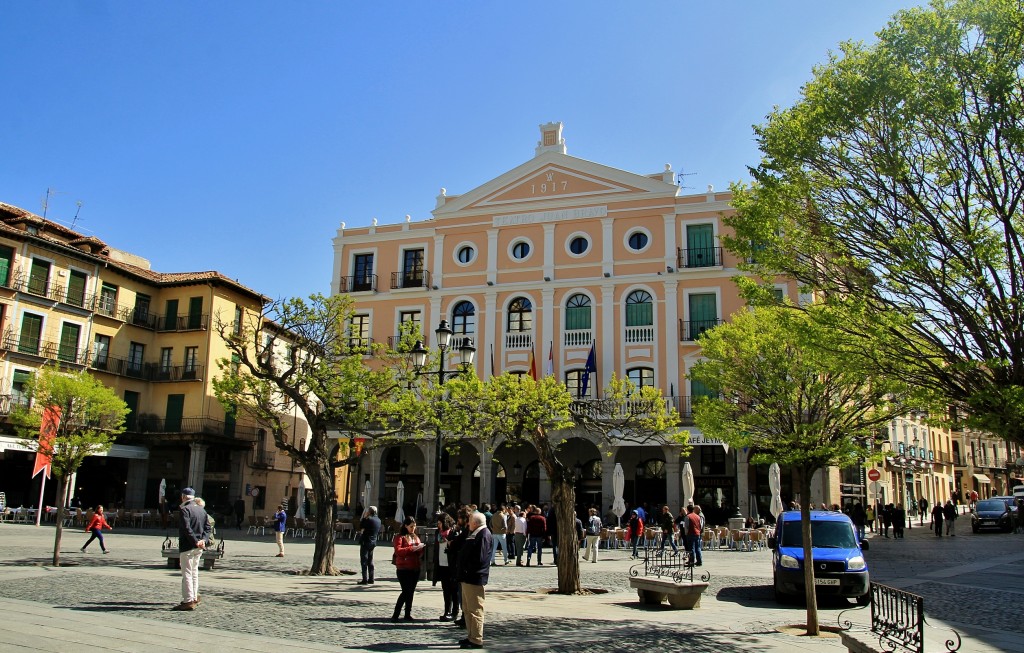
[{"x": 169, "y": 550}]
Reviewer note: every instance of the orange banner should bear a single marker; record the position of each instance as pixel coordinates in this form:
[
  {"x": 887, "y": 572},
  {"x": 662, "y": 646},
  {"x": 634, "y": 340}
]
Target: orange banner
[{"x": 47, "y": 432}]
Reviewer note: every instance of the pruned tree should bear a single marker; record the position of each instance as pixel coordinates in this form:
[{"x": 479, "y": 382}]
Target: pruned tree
[
  {"x": 543, "y": 414},
  {"x": 73, "y": 416},
  {"x": 895, "y": 184},
  {"x": 300, "y": 353},
  {"x": 794, "y": 392}
]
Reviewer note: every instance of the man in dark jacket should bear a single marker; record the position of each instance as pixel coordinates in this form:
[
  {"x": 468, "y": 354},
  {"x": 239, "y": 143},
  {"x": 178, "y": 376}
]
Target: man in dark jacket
[
  {"x": 370, "y": 525},
  {"x": 474, "y": 569},
  {"x": 193, "y": 535}
]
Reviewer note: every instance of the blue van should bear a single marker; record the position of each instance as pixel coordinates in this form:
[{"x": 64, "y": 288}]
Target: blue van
[{"x": 839, "y": 565}]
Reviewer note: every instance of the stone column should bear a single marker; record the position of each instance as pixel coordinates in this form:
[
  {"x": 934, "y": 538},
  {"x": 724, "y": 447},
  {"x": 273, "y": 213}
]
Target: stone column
[
  {"x": 196, "y": 467},
  {"x": 376, "y": 478},
  {"x": 743, "y": 482},
  {"x": 135, "y": 488},
  {"x": 486, "y": 472},
  {"x": 607, "y": 472},
  {"x": 544, "y": 490}
]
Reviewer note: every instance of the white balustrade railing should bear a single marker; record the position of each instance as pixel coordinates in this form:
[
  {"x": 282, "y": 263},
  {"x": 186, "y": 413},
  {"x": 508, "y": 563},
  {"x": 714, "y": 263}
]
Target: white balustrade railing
[
  {"x": 519, "y": 340},
  {"x": 578, "y": 337},
  {"x": 639, "y": 334}
]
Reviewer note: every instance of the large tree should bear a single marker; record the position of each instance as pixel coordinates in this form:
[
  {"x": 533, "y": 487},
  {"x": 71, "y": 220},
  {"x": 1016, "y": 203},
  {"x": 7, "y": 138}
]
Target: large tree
[
  {"x": 73, "y": 416},
  {"x": 543, "y": 413},
  {"x": 794, "y": 393},
  {"x": 895, "y": 184},
  {"x": 301, "y": 353}
]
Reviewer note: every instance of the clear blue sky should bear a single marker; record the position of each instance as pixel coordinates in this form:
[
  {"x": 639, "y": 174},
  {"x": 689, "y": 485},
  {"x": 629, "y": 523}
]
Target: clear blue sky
[{"x": 236, "y": 136}]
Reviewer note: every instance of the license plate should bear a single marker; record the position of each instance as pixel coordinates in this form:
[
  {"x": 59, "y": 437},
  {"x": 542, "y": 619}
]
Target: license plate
[
  {"x": 826, "y": 581},
  {"x": 987, "y": 521}
]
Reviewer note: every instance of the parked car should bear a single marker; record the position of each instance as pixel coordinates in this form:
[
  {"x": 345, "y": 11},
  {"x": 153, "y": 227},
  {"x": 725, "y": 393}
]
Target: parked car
[
  {"x": 838, "y": 557},
  {"x": 992, "y": 513}
]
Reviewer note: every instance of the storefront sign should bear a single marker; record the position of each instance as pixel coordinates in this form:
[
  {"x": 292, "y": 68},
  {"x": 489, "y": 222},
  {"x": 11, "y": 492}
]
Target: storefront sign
[{"x": 699, "y": 440}]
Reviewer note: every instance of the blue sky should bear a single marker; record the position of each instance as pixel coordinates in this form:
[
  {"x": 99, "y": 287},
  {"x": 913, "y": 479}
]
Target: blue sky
[{"x": 236, "y": 136}]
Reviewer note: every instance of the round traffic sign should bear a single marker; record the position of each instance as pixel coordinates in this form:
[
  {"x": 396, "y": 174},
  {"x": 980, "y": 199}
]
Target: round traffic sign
[
  {"x": 874, "y": 474},
  {"x": 255, "y": 491}
]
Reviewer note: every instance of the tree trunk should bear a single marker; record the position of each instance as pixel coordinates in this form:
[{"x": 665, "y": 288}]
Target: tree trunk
[
  {"x": 321, "y": 476},
  {"x": 805, "y": 524},
  {"x": 60, "y": 521},
  {"x": 563, "y": 495}
]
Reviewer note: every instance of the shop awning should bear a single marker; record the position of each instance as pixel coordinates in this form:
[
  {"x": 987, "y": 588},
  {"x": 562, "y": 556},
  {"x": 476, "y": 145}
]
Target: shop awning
[
  {"x": 981, "y": 478},
  {"x": 116, "y": 450}
]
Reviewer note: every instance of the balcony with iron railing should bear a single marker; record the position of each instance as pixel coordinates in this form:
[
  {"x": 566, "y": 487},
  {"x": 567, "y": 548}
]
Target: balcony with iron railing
[
  {"x": 366, "y": 283},
  {"x": 601, "y": 409},
  {"x": 185, "y": 322},
  {"x": 151, "y": 424},
  {"x": 699, "y": 257},
  {"x": 146, "y": 371},
  {"x": 410, "y": 279},
  {"x": 49, "y": 290},
  {"x": 34, "y": 346},
  {"x": 690, "y": 330},
  {"x": 263, "y": 459}
]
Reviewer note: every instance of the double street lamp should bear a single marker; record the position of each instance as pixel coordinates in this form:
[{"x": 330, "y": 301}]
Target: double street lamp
[{"x": 467, "y": 352}]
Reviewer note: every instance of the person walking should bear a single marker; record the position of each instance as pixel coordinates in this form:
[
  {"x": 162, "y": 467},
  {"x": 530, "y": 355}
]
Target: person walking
[
  {"x": 473, "y": 574},
  {"x": 239, "y": 512},
  {"x": 635, "y": 531},
  {"x": 593, "y": 535},
  {"x": 536, "y": 529},
  {"x": 869, "y": 517},
  {"x": 950, "y": 513},
  {"x": 193, "y": 535},
  {"x": 408, "y": 553},
  {"x": 668, "y": 529},
  {"x": 96, "y": 526},
  {"x": 692, "y": 537},
  {"x": 519, "y": 531},
  {"x": 280, "y": 525},
  {"x": 498, "y": 529},
  {"x": 937, "y": 516},
  {"x": 922, "y": 511},
  {"x": 899, "y": 519},
  {"x": 887, "y": 520},
  {"x": 369, "y": 527},
  {"x": 859, "y": 518},
  {"x": 446, "y": 568}
]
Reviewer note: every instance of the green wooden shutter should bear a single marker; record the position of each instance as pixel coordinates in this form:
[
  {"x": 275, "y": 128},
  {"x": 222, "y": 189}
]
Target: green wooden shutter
[
  {"x": 76, "y": 288},
  {"x": 195, "y": 313},
  {"x": 69, "y": 334},
  {"x": 171, "y": 315},
  {"x": 175, "y": 409},
  {"x": 640, "y": 314},
  {"x": 131, "y": 399},
  {"x": 703, "y": 314},
  {"x": 6, "y": 256},
  {"x": 577, "y": 317},
  {"x": 39, "y": 277},
  {"x": 31, "y": 327},
  {"x": 698, "y": 389},
  {"x": 700, "y": 241}
]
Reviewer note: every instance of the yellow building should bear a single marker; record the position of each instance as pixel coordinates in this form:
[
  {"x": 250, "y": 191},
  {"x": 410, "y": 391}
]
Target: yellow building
[
  {"x": 538, "y": 266},
  {"x": 71, "y": 300}
]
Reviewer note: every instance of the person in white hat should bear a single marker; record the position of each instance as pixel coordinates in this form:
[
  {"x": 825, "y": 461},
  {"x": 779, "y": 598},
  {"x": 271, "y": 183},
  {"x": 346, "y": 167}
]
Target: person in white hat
[{"x": 193, "y": 535}]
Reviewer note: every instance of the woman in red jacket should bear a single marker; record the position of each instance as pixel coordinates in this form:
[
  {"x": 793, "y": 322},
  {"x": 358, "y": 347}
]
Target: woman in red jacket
[
  {"x": 96, "y": 526},
  {"x": 408, "y": 552}
]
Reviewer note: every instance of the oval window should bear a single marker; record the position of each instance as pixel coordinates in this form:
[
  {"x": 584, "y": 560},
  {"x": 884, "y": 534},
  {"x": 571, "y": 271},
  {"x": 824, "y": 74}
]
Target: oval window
[
  {"x": 579, "y": 245},
  {"x": 637, "y": 240}
]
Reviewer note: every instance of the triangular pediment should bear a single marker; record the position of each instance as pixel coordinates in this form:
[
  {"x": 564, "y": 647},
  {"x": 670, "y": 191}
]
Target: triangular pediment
[{"x": 553, "y": 176}]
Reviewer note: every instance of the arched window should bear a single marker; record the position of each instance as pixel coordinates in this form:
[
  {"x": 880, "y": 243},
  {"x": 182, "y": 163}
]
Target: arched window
[
  {"x": 639, "y": 309},
  {"x": 464, "y": 319},
  {"x": 520, "y": 316},
  {"x": 641, "y": 377},
  {"x": 578, "y": 312}
]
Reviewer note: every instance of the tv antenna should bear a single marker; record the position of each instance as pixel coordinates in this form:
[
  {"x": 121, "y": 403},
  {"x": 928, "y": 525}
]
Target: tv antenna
[
  {"x": 679, "y": 178},
  {"x": 77, "y": 211}
]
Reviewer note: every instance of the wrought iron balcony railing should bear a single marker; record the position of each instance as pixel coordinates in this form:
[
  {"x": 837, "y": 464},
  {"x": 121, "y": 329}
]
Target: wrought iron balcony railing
[
  {"x": 364, "y": 283},
  {"x": 410, "y": 279},
  {"x": 699, "y": 257}
]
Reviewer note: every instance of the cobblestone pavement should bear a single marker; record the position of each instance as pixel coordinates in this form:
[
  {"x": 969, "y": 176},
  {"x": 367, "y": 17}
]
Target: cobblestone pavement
[{"x": 255, "y": 593}]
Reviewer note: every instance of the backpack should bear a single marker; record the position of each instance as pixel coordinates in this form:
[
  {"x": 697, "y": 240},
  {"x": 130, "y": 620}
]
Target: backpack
[{"x": 594, "y": 526}]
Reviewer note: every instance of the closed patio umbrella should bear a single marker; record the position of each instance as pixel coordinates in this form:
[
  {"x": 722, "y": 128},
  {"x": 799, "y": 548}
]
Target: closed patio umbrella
[
  {"x": 688, "y": 485},
  {"x": 775, "y": 485},
  {"x": 400, "y": 512},
  {"x": 618, "y": 487}
]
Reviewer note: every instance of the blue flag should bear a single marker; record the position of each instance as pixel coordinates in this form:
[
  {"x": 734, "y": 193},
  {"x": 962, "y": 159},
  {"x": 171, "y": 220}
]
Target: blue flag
[{"x": 590, "y": 367}]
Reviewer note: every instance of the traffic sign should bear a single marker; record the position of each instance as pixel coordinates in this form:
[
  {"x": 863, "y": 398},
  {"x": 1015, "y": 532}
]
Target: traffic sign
[
  {"x": 874, "y": 474},
  {"x": 255, "y": 491}
]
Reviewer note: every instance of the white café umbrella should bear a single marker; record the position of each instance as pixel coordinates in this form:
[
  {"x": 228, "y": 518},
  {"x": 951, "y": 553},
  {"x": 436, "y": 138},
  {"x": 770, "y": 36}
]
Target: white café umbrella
[
  {"x": 687, "y": 484},
  {"x": 366, "y": 495},
  {"x": 300, "y": 510},
  {"x": 775, "y": 485},
  {"x": 618, "y": 487},
  {"x": 161, "y": 493},
  {"x": 400, "y": 513}
]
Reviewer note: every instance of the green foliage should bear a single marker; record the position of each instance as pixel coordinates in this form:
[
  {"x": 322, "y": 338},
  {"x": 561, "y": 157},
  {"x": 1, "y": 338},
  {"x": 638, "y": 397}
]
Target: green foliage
[
  {"x": 895, "y": 183},
  {"x": 793, "y": 390},
  {"x": 91, "y": 415}
]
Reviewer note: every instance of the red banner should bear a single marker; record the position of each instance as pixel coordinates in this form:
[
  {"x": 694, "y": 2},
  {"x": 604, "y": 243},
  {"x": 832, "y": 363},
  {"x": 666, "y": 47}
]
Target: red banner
[
  {"x": 359, "y": 442},
  {"x": 47, "y": 431}
]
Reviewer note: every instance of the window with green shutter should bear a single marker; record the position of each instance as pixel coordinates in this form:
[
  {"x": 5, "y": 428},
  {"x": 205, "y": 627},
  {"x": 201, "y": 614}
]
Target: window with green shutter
[
  {"x": 31, "y": 328},
  {"x": 69, "y": 335},
  {"x": 699, "y": 390},
  {"x": 578, "y": 313},
  {"x": 703, "y": 313},
  {"x": 171, "y": 315},
  {"x": 19, "y": 387},
  {"x": 39, "y": 277},
  {"x": 700, "y": 244},
  {"x": 76, "y": 288},
  {"x": 6, "y": 260},
  {"x": 639, "y": 309},
  {"x": 195, "y": 313}
]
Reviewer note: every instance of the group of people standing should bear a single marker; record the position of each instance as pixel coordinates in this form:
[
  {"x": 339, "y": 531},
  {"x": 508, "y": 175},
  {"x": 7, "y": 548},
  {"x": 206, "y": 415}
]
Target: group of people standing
[{"x": 895, "y": 516}]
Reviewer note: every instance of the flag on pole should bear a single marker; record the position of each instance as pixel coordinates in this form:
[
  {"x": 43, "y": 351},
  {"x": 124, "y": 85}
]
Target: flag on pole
[
  {"x": 550, "y": 369},
  {"x": 533, "y": 365},
  {"x": 47, "y": 432},
  {"x": 492, "y": 360},
  {"x": 590, "y": 368}
]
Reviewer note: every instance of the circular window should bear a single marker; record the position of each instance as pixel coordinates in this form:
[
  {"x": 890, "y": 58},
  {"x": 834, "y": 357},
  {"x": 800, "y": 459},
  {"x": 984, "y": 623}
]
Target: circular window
[
  {"x": 579, "y": 245},
  {"x": 520, "y": 250},
  {"x": 638, "y": 240},
  {"x": 466, "y": 254}
]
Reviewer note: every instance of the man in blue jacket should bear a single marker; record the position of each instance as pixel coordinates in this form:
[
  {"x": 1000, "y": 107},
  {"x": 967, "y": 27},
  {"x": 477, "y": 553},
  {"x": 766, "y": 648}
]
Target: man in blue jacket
[
  {"x": 193, "y": 535},
  {"x": 473, "y": 571},
  {"x": 369, "y": 530}
]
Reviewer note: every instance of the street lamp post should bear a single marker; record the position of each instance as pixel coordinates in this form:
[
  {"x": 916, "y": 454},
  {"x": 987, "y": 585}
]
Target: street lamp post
[{"x": 467, "y": 353}]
